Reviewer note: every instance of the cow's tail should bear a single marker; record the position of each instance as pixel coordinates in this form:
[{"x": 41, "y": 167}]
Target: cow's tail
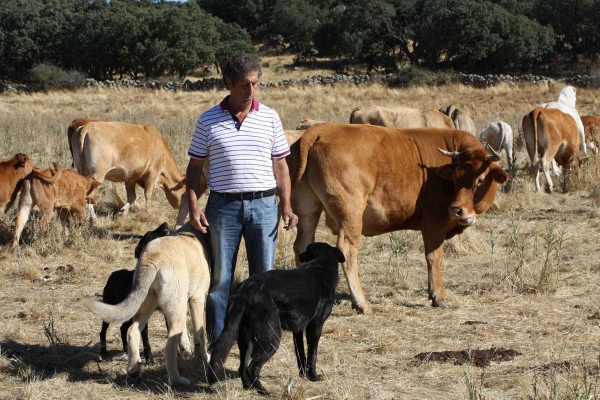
[
  {"x": 220, "y": 348},
  {"x": 79, "y": 156},
  {"x": 530, "y": 134},
  {"x": 48, "y": 179},
  {"x": 116, "y": 314},
  {"x": 299, "y": 154}
]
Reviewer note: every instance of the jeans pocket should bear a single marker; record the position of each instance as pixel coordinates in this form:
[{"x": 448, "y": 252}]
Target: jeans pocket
[
  {"x": 214, "y": 200},
  {"x": 270, "y": 201}
]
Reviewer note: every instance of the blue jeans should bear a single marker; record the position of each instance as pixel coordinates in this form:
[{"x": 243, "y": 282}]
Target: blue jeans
[{"x": 228, "y": 221}]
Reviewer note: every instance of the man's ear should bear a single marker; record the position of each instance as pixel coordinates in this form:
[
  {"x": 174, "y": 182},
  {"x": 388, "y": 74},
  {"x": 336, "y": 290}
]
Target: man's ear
[{"x": 446, "y": 172}]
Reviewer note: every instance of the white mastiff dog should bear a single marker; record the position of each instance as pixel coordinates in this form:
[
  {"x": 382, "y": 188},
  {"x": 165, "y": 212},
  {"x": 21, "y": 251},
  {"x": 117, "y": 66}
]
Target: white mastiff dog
[{"x": 171, "y": 272}]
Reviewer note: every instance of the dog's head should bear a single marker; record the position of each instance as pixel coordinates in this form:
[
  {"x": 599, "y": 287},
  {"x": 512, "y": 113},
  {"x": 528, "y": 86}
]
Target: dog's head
[
  {"x": 162, "y": 230},
  {"x": 313, "y": 251}
]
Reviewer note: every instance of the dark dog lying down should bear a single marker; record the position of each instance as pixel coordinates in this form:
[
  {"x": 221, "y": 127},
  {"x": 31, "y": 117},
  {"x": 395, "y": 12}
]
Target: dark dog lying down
[
  {"x": 117, "y": 288},
  {"x": 298, "y": 300}
]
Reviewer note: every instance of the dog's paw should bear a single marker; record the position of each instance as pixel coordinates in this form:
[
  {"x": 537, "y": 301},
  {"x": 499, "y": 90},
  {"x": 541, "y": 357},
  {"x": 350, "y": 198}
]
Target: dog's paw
[
  {"x": 257, "y": 385},
  {"x": 315, "y": 377},
  {"x": 149, "y": 361}
]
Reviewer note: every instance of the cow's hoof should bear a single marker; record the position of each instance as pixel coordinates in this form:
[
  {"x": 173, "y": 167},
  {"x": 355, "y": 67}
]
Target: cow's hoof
[
  {"x": 135, "y": 376},
  {"x": 362, "y": 310},
  {"x": 441, "y": 303},
  {"x": 180, "y": 381}
]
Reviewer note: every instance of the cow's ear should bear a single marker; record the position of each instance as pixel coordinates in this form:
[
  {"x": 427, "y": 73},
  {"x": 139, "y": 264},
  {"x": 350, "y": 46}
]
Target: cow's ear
[
  {"x": 499, "y": 175},
  {"x": 446, "y": 172},
  {"x": 95, "y": 184}
]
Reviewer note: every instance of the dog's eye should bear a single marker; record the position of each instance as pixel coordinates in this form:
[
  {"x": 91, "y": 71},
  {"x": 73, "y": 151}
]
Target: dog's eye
[{"x": 480, "y": 181}]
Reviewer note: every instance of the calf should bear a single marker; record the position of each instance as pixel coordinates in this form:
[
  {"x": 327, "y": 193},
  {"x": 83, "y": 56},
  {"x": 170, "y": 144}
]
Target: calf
[
  {"x": 118, "y": 287},
  {"x": 591, "y": 126},
  {"x": 63, "y": 190},
  {"x": 12, "y": 173}
]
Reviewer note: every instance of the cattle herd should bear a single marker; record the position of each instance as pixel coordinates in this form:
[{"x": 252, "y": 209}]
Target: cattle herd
[{"x": 389, "y": 169}]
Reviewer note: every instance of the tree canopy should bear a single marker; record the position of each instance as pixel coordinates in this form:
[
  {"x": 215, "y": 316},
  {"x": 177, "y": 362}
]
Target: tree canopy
[{"x": 149, "y": 38}]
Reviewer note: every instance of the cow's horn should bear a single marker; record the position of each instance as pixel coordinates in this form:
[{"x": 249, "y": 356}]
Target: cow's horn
[
  {"x": 494, "y": 156},
  {"x": 453, "y": 154}
]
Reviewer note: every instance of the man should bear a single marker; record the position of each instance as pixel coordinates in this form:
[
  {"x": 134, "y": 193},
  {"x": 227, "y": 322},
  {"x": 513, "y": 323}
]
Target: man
[{"x": 246, "y": 147}]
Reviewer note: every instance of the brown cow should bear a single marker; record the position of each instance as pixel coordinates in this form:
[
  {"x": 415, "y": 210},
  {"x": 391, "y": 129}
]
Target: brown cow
[
  {"x": 550, "y": 134},
  {"x": 130, "y": 153},
  {"x": 461, "y": 117},
  {"x": 591, "y": 126},
  {"x": 371, "y": 180},
  {"x": 12, "y": 172},
  {"x": 63, "y": 190},
  {"x": 401, "y": 117}
]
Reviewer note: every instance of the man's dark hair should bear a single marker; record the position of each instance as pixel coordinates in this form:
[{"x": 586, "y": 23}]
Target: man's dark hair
[{"x": 239, "y": 66}]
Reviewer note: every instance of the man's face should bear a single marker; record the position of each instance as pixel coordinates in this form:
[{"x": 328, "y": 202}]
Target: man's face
[{"x": 244, "y": 87}]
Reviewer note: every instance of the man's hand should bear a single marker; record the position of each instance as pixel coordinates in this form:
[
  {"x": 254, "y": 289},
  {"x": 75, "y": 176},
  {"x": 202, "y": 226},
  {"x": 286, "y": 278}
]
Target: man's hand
[
  {"x": 198, "y": 220},
  {"x": 290, "y": 219}
]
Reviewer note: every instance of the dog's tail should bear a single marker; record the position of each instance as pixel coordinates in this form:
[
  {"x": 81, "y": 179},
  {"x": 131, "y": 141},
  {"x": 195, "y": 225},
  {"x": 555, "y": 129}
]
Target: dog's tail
[
  {"x": 146, "y": 271},
  {"x": 219, "y": 349}
]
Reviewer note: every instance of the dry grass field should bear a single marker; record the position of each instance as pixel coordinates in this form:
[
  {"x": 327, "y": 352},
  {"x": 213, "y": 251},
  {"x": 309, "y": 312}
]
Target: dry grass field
[{"x": 525, "y": 280}]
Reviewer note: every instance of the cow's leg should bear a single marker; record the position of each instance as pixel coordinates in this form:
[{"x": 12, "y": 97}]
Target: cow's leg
[
  {"x": 434, "y": 233},
  {"x": 183, "y": 210},
  {"x": 546, "y": 169},
  {"x": 148, "y": 188},
  {"x": 25, "y": 204},
  {"x": 130, "y": 190},
  {"x": 349, "y": 242},
  {"x": 509, "y": 156},
  {"x": 308, "y": 208}
]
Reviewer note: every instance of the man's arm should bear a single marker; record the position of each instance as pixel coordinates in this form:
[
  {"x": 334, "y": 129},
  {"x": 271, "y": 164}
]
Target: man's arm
[
  {"x": 193, "y": 177},
  {"x": 284, "y": 189}
]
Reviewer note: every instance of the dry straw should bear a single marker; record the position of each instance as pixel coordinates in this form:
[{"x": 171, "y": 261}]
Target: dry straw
[{"x": 525, "y": 278}]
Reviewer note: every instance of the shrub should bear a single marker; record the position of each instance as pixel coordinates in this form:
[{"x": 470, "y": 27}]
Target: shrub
[{"x": 50, "y": 77}]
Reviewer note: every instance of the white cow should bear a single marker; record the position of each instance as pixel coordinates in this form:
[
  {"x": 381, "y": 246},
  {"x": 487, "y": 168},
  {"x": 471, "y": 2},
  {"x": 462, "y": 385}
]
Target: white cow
[
  {"x": 499, "y": 135},
  {"x": 566, "y": 103}
]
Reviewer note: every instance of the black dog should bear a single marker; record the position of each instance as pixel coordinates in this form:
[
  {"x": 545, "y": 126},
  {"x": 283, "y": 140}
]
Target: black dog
[
  {"x": 297, "y": 300},
  {"x": 117, "y": 288}
]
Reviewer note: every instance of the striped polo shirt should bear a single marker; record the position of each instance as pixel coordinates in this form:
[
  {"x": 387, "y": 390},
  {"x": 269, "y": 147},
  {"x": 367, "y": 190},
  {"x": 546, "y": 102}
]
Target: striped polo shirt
[{"x": 240, "y": 155}]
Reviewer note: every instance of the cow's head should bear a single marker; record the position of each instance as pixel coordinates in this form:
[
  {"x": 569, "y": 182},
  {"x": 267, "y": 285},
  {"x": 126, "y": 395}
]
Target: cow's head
[
  {"x": 91, "y": 197},
  {"x": 476, "y": 177}
]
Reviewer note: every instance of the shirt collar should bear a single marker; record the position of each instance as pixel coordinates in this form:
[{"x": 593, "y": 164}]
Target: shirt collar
[{"x": 225, "y": 103}]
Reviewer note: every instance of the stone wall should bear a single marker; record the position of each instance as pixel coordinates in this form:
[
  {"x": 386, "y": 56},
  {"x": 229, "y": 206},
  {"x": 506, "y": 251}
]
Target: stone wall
[{"x": 327, "y": 80}]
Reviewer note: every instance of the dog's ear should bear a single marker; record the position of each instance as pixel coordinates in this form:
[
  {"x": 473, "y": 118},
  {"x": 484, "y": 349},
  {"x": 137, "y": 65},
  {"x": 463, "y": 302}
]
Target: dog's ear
[
  {"x": 164, "y": 229},
  {"x": 314, "y": 249},
  {"x": 307, "y": 255},
  {"x": 338, "y": 253}
]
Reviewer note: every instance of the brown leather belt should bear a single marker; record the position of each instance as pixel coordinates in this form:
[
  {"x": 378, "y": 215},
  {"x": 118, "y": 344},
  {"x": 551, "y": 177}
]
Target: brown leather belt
[{"x": 245, "y": 195}]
